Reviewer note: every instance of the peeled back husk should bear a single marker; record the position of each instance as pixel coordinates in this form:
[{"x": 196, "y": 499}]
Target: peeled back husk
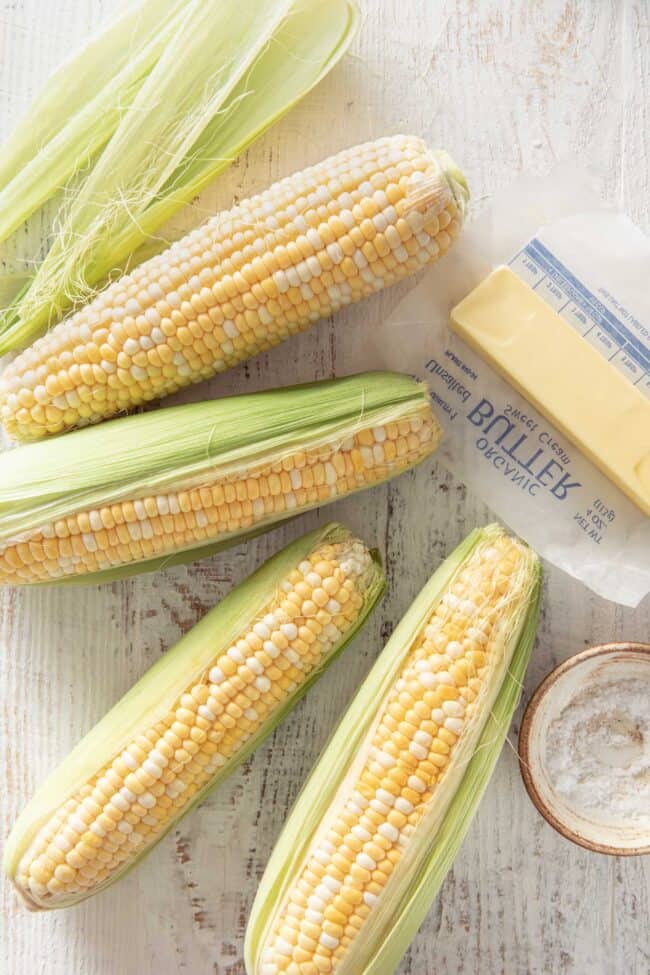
[{"x": 210, "y": 78}]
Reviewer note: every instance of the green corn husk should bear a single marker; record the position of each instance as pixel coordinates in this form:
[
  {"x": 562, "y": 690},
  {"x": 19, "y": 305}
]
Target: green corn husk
[
  {"x": 151, "y": 698},
  {"x": 415, "y": 881},
  {"x": 205, "y": 78},
  {"x": 146, "y": 454},
  {"x": 80, "y": 108}
]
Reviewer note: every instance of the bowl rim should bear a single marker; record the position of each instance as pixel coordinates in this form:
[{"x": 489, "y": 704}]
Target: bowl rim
[{"x": 525, "y": 768}]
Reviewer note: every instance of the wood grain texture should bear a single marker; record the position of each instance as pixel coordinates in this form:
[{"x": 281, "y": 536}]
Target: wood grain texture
[{"x": 504, "y": 87}]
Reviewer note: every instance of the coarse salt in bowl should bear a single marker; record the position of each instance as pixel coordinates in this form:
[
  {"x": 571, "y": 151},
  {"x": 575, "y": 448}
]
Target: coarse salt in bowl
[{"x": 584, "y": 748}]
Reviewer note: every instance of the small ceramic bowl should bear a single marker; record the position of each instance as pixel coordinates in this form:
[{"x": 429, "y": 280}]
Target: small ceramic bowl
[{"x": 620, "y": 660}]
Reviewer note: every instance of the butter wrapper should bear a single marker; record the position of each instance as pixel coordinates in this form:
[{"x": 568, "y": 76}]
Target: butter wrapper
[{"x": 591, "y": 264}]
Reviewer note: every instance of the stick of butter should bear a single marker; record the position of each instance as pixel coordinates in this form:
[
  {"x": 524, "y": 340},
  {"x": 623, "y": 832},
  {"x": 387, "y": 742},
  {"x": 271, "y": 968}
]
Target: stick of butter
[{"x": 566, "y": 379}]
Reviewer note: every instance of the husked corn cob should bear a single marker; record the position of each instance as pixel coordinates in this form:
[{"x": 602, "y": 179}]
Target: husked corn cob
[
  {"x": 386, "y": 806},
  {"x": 192, "y": 718},
  {"x": 241, "y": 283},
  {"x": 143, "y": 491}
]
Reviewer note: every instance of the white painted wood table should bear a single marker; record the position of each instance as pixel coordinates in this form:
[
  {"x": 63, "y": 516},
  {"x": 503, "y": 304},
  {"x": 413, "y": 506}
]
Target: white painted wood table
[{"x": 505, "y": 87}]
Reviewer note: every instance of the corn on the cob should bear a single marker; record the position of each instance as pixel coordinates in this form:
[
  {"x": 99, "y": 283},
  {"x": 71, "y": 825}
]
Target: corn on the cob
[
  {"x": 241, "y": 283},
  {"x": 192, "y": 718},
  {"x": 173, "y": 485},
  {"x": 384, "y": 811}
]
